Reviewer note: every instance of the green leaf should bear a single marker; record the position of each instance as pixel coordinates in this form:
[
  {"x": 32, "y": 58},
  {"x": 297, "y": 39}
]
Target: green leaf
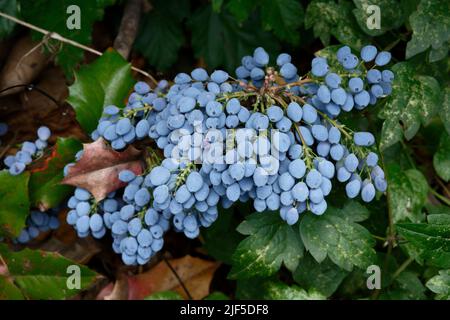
[
  {"x": 43, "y": 275},
  {"x": 445, "y": 110},
  {"x": 284, "y": 17},
  {"x": 336, "y": 235},
  {"x": 7, "y": 26},
  {"x": 441, "y": 159},
  {"x": 407, "y": 193},
  {"x": 439, "y": 219},
  {"x": 271, "y": 242},
  {"x": 241, "y": 9},
  {"x": 221, "y": 239},
  {"x": 407, "y": 286},
  {"x": 105, "y": 81},
  {"x": 432, "y": 241},
  {"x": 45, "y": 188},
  {"x": 165, "y": 295},
  {"x": 15, "y": 203},
  {"x": 440, "y": 284},
  {"x": 327, "y": 18},
  {"x": 161, "y": 35},
  {"x": 55, "y": 18},
  {"x": 217, "y": 296},
  {"x": 266, "y": 289},
  {"x": 414, "y": 101},
  {"x": 8, "y": 291},
  {"x": 217, "y": 5},
  {"x": 430, "y": 25},
  {"x": 391, "y": 15},
  {"x": 222, "y": 41},
  {"x": 324, "y": 277}
]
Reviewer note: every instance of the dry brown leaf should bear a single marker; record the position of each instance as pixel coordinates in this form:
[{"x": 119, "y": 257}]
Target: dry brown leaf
[
  {"x": 195, "y": 273},
  {"x": 98, "y": 169},
  {"x": 24, "y": 63}
]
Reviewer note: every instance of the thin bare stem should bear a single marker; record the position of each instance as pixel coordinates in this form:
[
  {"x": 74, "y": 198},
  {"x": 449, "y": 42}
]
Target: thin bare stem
[{"x": 58, "y": 37}]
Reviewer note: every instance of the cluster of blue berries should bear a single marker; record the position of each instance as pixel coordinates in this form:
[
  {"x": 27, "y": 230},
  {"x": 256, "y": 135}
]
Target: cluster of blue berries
[
  {"x": 269, "y": 136},
  {"x": 17, "y": 163},
  {"x": 38, "y": 222}
]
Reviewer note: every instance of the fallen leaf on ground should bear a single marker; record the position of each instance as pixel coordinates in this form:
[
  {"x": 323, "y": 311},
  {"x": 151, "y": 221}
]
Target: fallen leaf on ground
[
  {"x": 195, "y": 273},
  {"x": 99, "y": 167},
  {"x": 24, "y": 63}
]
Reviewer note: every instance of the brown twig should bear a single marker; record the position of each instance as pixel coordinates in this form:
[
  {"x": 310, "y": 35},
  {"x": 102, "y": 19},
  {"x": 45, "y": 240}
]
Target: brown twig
[
  {"x": 128, "y": 27},
  {"x": 56, "y": 36},
  {"x": 178, "y": 278}
]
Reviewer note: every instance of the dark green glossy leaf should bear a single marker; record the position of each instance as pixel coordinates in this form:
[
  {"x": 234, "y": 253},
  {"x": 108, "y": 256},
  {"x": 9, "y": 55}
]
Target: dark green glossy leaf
[
  {"x": 284, "y": 17},
  {"x": 432, "y": 241},
  {"x": 324, "y": 277},
  {"x": 15, "y": 203},
  {"x": 336, "y": 235},
  {"x": 222, "y": 41},
  {"x": 161, "y": 35},
  {"x": 55, "y": 18},
  {"x": 44, "y": 275},
  {"x": 45, "y": 188},
  {"x": 105, "y": 81}
]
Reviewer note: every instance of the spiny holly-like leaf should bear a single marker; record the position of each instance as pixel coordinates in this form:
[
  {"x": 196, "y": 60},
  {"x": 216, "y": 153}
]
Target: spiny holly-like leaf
[
  {"x": 105, "y": 81},
  {"x": 6, "y": 26},
  {"x": 45, "y": 188},
  {"x": 221, "y": 41},
  {"x": 441, "y": 159},
  {"x": 407, "y": 193},
  {"x": 445, "y": 110},
  {"x": 55, "y": 18},
  {"x": 430, "y": 25},
  {"x": 336, "y": 235},
  {"x": 440, "y": 284},
  {"x": 432, "y": 241},
  {"x": 324, "y": 277},
  {"x": 15, "y": 204},
  {"x": 195, "y": 273},
  {"x": 98, "y": 169},
  {"x": 268, "y": 289},
  {"x": 161, "y": 34},
  {"x": 43, "y": 275},
  {"x": 241, "y": 9},
  {"x": 284, "y": 17},
  {"x": 327, "y": 18},
  {"x": 391, "y": 15},
  {"x": 414, "y": 101},
  {"x": 8, "y": 290},
  {"x": 271, "y": 242}
]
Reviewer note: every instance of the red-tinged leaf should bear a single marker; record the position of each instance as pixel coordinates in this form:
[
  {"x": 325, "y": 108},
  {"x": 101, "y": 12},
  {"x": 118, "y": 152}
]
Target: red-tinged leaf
[
  {"x": 196, "y": 275},
  {"x": 99, "y": 167},
  {"x": 45, "y": 188}
]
